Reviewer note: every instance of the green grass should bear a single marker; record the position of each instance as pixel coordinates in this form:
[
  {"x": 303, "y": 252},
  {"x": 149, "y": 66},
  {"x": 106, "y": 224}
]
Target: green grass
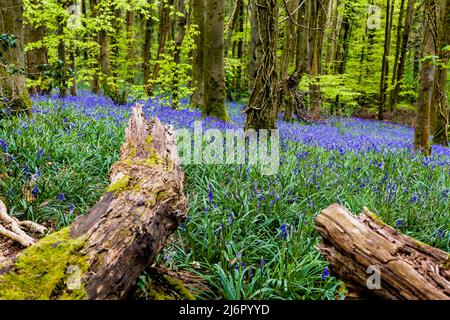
[{"x": 233, "y": 237}]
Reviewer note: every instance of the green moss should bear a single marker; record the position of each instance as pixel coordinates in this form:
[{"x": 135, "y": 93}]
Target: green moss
[
  {"x": 120, "y": 184},
  {"x": 180, "y": 288},
  {"x": 160, "y": 286},
  {"x": 40, "y": 272}
]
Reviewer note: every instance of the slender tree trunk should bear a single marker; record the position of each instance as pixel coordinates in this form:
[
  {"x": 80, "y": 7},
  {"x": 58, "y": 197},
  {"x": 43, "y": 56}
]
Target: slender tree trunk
[
  {"x": 398, "y": 45},
  {"x": 13, "y": 93},
  {"x": 439, "y": 100},
  {"x": 197, "y": 99},
  {"x": 164, "y": 31},
  {"x": 385, "y": 63},
  {"x": 403, "y": 53},
  {"x": 319, "y": 18},
  {"x": 63, "y": 85},
  {"x": 240, "y": 51},
  {"x": 427, "y": 74},
  {"x": 132, "y": 43},
  {"x": 147, "y": 51},
  {"x": 302, "y": 48},
  {"x": 73, "y": 88},
  {"x": 96, "y": 38},
  {"x": 214, "y": 104},
  {"x": 181, "y": 25},
  {"x": 253, "y": 44},
  {"x": 232, "y": 23},
  {"x": 287, "y": 97},
  {"x": 262, "y": 110}
]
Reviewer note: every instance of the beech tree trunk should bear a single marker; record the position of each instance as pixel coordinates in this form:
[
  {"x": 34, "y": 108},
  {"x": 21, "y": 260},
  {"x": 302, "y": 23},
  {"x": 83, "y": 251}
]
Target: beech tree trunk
[
  {"x": 147, "y": 51},
  {"x": 13, "y": 93},
  {"x": 34, "y": 32},
  {"x": 261, "y": 111},
  {"x": 385, "y": 61},
  {"x": 199, "y": 19},
  {"x": 356, "y": 246},
  {"x": 181, "y": 31},
  {"x": 439, "y": 100},
  {"x": 102, "y": 254},
  {"x": 427, "y": 74},
  {"x": 214, "y": 63},
  {"x": 403, "y": 52}
]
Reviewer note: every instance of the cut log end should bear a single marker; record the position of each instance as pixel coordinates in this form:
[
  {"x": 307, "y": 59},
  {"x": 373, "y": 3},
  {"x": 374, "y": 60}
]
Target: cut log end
[{"x": 375, "y": 260}]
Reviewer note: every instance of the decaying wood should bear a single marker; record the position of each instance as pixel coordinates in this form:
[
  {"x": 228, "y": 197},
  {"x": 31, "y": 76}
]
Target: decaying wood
[
  {"x": 124, "y": 231},
  {"x": 12, "y": 228},
  {"x": 408, "y": 268}
]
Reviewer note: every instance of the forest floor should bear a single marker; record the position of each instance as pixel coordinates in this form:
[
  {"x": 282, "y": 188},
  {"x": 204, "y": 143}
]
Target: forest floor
[{"x": 248, "y": 235}]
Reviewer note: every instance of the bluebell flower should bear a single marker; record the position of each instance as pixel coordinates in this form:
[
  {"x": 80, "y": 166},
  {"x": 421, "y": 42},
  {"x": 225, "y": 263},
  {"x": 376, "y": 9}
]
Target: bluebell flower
[
  {"x": 230, "y": 218},
  {"x": 61, "y": 197},
  {"x": 325, "y": 273},
  {"x": 39, "y": 153},
  {"x": 4, "y": 146},
  {"x": 399, "y": 223}
]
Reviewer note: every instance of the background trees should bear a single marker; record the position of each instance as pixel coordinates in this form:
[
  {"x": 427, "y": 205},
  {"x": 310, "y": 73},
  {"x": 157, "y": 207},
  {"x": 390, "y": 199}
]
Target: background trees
[{"x": 341, "y": 57}]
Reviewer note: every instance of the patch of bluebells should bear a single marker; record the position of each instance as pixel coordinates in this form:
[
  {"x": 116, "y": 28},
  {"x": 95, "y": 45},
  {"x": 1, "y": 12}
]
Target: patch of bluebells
[{"x": 336, "y": 134}]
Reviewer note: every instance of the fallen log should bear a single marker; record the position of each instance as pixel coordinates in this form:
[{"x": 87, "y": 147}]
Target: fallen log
[
  {"x": 356, "y": 246},
  {"x": 101, "y": 255}
]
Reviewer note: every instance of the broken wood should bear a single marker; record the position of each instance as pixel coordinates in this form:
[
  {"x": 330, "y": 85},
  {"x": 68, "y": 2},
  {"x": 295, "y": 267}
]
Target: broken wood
[
  {"x": 408, "y": 269},
  {"x": 13, "y": 229},
  {"x": 102, "y": 254}
]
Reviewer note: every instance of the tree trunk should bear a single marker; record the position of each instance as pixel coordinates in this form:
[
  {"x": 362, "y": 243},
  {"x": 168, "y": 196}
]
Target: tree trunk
[
  {"x": 398, "y": 45},
  {"x": 385, "y": 63},
  {"x": 439, "y": 99},
  {"x": 102, "y": 254},
  {"x": 34, "y": 32},
  {"x": 427, "y": 74},
  {"x": 147, "y": 52},
  {"x": 96, "y": 38},
  {"x": 356, "y": 246},
  {"x": 233, "y": 23},
  {"x": 403, "y": 52},
  {"x": 13, "y": 93},
  {"x": 63, "y": 82},
  {"x": 181, "y": 31},
  {"x": 132, "y": 43},
  {"x": 197, "y": 99},
  {"x": 261, "y": 111},
  {"x": 164, "y": 31},
  {"x": 287, "y": 95},
  {"x": 214, "y": 103}
]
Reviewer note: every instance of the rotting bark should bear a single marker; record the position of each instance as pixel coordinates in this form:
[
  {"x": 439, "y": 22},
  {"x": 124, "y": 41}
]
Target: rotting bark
[
  {"x": 409, "y": 269},
  {"x": 120, "y": 236}
]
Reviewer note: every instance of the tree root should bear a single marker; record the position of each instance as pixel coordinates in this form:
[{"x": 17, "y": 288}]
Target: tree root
[{"x": 12, "y": 228}]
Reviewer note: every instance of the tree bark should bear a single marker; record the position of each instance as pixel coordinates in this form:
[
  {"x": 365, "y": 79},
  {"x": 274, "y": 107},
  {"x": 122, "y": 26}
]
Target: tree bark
[
  {"x": 439, "y": 99},
  {"x": 197, "y": 99},
  {"x": 355, "y": 246},
  {"x": 427, "y": 74},
  {"x": 109, "y": 247},
  {"x": 181, "y": 31},
  {"x": 214, "y": 64},
  {"x": 385, "y": 63},
  {"x": 13, "y": 93},
  {"x": 398, "y": 45},
  {"x": 147, "y": 51},
  {"x": 37, "y": 57},
  {"x": 403, "y": 52},
  {"x": 261, "y": 111}
]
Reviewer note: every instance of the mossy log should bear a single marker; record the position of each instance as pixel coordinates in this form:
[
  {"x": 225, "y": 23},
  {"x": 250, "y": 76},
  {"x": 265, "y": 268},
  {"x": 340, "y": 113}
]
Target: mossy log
[
  {"x": 407, "y": 268},
  {"x": 101, "y": 255}
]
